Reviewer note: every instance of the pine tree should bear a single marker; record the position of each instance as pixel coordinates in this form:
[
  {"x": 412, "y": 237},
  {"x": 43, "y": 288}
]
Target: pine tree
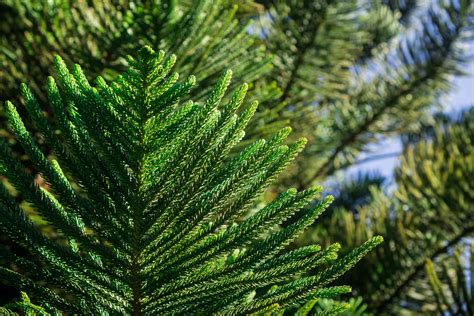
[
  {"x": 148, "y": 207},
  {"x": 428, "y": 214},
  {"x": 361, "y": 83},
  {"x": 352, "y": 72}
]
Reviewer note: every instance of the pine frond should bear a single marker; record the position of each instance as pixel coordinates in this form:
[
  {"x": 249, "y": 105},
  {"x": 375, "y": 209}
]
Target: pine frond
[{"x": 151, "y": 211}]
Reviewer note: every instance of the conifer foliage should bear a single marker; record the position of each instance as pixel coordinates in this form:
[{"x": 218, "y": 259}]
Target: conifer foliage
[
  {"x": 428, "y": 214},
  {"x": 25, "y": 306},
  {"x": 451, "y": 285},
  {"x": 152, "y": 215},
  {"x": 205, "y": 35},
  {"x": 354, "y": 71}
]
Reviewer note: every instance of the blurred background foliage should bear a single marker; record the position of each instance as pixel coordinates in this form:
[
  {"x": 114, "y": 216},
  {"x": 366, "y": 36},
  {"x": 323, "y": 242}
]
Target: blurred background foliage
[
  {"x": 343, "y": 73},
  {"x": 424, "y": 217}
]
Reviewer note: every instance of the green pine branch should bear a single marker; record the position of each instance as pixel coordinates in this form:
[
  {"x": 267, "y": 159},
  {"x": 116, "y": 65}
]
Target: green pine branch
[{"x": 148, "y": 206}]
